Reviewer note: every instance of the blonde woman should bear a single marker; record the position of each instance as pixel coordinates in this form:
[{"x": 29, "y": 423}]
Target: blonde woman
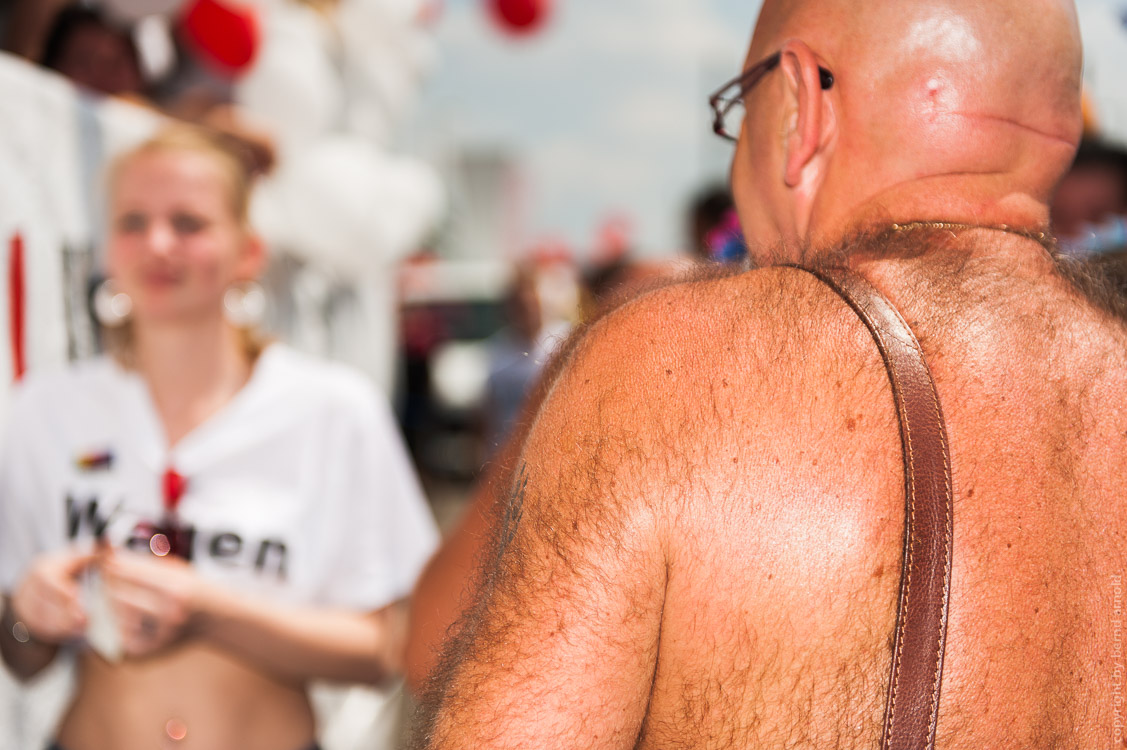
[{"x": 212, "y": 521}]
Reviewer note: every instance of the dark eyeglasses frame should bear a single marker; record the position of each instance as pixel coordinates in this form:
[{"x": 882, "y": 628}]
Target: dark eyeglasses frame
[{"x": 745, "y": 82}]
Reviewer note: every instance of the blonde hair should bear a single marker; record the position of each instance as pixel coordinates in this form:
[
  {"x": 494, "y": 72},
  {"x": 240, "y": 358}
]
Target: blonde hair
[
  {"x": 223, "y": 150},
  {"x": 237, "y": 171}
]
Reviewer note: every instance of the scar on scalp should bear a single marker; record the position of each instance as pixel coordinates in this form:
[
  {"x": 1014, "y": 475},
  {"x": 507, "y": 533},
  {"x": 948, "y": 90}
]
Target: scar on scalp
[{"x": 1012, "y": 122}]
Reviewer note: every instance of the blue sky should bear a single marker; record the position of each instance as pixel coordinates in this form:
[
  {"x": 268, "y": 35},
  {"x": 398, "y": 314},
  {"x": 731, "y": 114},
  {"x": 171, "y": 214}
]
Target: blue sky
[{"x": 604, "y": 111}]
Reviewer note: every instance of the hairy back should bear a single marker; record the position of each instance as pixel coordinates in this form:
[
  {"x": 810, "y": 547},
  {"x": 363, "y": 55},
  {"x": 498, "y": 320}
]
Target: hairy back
[
  {"x": 780, "y": 600},
  {"x": 702, "y": 547}
]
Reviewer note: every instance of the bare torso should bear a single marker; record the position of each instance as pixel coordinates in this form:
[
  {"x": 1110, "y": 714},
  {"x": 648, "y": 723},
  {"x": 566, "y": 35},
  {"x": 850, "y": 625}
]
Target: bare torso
[
  {"x": 702, "y": 548},
  {"x": 780, "y": 600},
  {"x": 191, "y": 696}
]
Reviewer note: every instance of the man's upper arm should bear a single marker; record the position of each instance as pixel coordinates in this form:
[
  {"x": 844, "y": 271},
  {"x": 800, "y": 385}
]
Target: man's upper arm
[{"x": 561, "y": 646}]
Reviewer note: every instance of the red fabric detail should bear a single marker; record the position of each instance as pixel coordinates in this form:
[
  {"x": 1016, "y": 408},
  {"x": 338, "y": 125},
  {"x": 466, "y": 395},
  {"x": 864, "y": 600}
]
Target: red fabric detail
[
  {"x": 520, "y": 16},
  {"x": 174, "y": 487},
  {"x": 225, "y": 33},
  {"x": 18, "y": 306}
]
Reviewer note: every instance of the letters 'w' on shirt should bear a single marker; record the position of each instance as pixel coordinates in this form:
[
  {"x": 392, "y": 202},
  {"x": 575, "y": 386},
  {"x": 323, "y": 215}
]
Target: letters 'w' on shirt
[{"x": 299, "y": 488}]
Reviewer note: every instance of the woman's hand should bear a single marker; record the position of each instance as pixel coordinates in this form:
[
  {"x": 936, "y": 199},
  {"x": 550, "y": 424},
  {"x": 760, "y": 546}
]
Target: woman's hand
[
  {"x": 160, "y": 600},
  {"x": 154, "y": 599},
  {"x": 48, "y": 601}
]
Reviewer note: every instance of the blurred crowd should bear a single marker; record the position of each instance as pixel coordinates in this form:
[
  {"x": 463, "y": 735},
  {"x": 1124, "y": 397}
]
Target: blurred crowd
[{"x": 470, "y": 339}]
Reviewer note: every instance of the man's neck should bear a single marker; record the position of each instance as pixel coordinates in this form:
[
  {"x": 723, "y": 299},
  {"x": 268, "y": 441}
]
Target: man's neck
[
  {"x": 192, "y": 370},
  {"x": 939, "y": 242},
  {"x": 989, "y": 200}
]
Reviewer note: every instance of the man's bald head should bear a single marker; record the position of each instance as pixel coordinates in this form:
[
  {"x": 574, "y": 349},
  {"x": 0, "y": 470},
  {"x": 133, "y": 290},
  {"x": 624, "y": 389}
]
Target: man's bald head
[{"x": 952, "y": 110}]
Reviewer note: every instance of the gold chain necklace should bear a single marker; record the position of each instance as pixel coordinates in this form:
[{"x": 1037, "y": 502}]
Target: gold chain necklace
[{"x": 952, "y": 225}]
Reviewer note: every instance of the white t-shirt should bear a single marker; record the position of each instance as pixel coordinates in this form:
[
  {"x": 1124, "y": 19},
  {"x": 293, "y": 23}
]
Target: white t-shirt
[{"x": 299, "y": 488}]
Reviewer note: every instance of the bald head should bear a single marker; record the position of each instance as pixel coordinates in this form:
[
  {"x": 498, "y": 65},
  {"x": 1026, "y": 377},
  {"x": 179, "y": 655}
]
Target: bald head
[{"x": 954, "y": 110}]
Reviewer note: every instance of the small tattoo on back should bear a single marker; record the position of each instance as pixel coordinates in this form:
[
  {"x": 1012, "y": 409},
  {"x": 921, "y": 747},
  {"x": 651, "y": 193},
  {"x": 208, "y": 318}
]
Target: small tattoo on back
[{"x": 513, "y": 512}]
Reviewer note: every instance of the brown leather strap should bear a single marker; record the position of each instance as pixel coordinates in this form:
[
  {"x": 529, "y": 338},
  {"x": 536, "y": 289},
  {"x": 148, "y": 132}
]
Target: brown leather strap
[{"x": 912, "y": 708}]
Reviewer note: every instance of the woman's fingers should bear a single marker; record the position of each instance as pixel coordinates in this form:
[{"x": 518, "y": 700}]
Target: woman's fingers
[
  {"x": 149, "y": 616},
  {"x": 49, "y": 618},
  {"x": 48, "y": 601},
  {"x": 138, "y": 619},
  {"x": 72, "y": 565},
  {"x": 173, "y": 581}
]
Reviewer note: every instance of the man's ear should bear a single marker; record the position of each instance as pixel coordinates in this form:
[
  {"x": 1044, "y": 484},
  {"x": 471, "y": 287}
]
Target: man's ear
[{"x": 814, "y": 120}]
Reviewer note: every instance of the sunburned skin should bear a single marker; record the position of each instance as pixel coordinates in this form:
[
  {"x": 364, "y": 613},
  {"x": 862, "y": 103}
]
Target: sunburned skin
[
  {"x": 739, "y": 590},
  {"x": 712, "y": 513}
]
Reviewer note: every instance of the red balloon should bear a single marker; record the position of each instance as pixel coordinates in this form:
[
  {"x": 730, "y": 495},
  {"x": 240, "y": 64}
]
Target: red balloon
[
  {"x": 520, "y": 16},
  {"x": 225, "y": 34}
]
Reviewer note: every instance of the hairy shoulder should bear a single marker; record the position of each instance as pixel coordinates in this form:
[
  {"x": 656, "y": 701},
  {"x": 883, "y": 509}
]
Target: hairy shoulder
[
  {"x": 639, "y": 425},
  {"x": 650, "y": 390},
  {"x": 653, "y": 359}
]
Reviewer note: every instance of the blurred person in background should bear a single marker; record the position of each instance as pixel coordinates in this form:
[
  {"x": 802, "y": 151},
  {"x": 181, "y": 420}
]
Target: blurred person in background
[
  {"x": 1089, "y": 208},
  {"x": 214, "y": 520},
  {"x": 26, "y": 24},
  {"x": 517, "y": 353},
  {"x": 83, "y": 45},
  {"x": 714, "y": 227},
  {"x": 97, "y": 52},
  {"x": 1089, "y": 211}
]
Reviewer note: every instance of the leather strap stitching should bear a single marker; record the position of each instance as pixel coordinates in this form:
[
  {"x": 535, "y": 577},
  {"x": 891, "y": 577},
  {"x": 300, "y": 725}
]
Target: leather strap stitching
[
  {"x": 884, "y": 322},
  {"x": 941, "y": 640},
  {"x": 910, "y": 551},
  {"x": 948, "y": 528}
]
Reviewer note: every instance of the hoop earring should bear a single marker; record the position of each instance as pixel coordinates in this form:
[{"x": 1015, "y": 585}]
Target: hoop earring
[
  {"x": 244, "y": 304},
  {"x": 112, "y": 307}
]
